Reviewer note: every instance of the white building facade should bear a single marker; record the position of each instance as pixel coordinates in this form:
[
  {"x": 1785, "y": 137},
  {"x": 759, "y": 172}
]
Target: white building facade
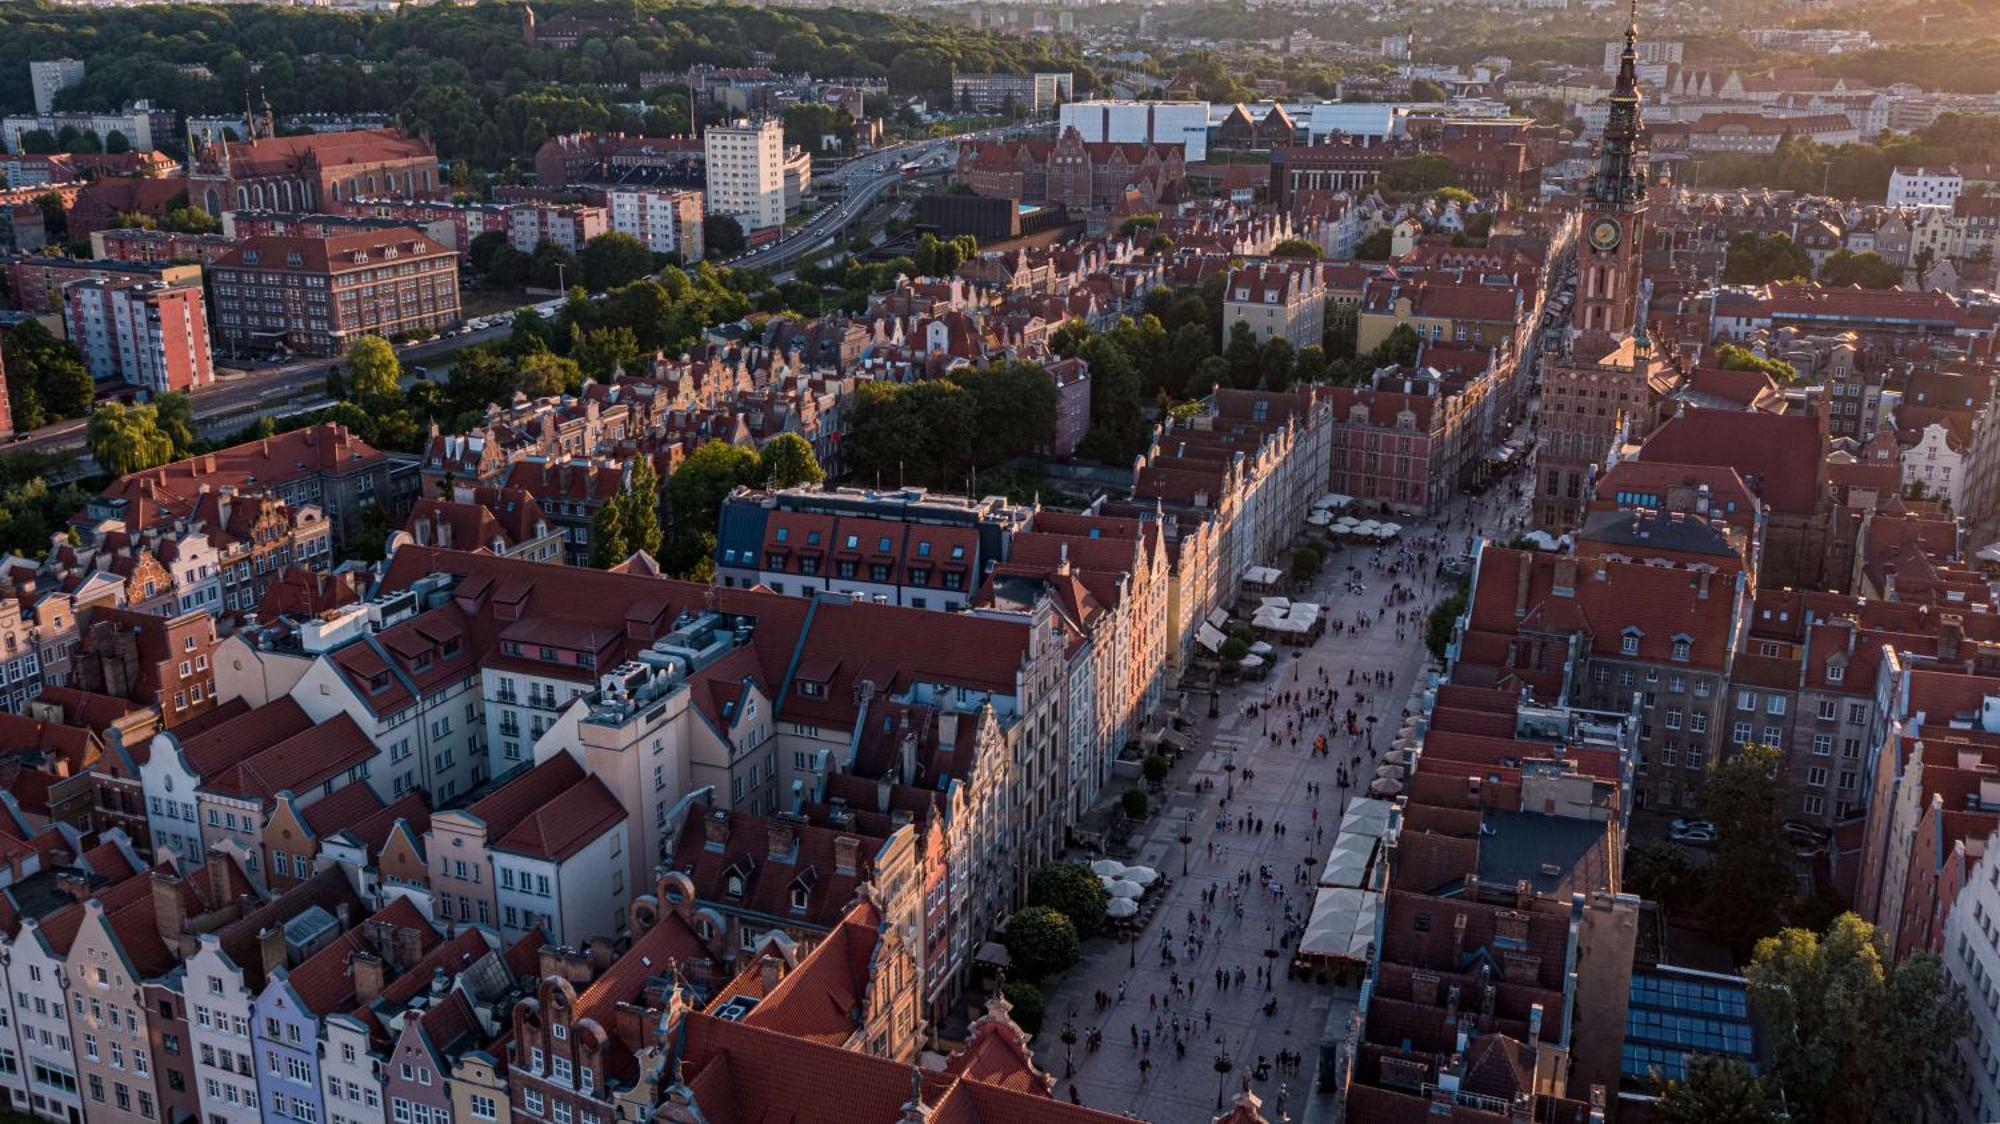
[{"x": 746, "y": 172}]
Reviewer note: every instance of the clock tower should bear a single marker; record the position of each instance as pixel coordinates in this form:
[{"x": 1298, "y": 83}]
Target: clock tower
[
  {"x": 1603, "y": 385},
  {"x": 1614, "y": 211}
]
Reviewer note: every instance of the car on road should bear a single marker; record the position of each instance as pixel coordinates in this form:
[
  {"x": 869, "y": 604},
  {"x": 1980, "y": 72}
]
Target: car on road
[{"x": 1695, "y": 833}]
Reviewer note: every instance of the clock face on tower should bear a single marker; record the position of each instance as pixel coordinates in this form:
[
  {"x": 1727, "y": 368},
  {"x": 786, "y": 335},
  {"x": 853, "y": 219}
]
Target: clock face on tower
[{"x": 1605, "y": 235}]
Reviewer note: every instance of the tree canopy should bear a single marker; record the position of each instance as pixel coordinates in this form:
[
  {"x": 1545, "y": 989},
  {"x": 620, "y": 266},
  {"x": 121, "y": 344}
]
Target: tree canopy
[
  {"x": 1856, "y": 1039},
  {"x": 1758, "y": 260},
  {"x": 1750, "y": 879},
  {"x": 1041, "y": 941}
]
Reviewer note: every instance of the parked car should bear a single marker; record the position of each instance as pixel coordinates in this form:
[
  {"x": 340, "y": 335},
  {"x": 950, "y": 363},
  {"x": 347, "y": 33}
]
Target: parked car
[{"x": 1697, "y": 833}]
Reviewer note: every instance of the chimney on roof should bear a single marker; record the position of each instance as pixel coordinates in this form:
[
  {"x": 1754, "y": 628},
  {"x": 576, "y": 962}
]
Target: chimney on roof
[
  {"x": 271, "y": 948},
  {"x": 1951, "y": 632},
  {"x": 369, "y": 975},
  {"x": 1701, "y": 588},
  {"x": 846, "y": 854},
  {"x": 169, "y": 909},
  {"x": 217, "y": 869},
  {"x": 1564, "y": 582},
  {"x": 716, "y": 827},
  {"x": 781, "y": 837}
]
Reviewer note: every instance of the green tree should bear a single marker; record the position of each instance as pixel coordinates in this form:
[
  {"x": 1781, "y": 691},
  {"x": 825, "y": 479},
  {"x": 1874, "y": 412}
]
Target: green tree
[
  {"x": 1310, "y": 366},
  {"x": 480, "y": 251},
  {"x": 1041, "y": 941},
  {"x": 1276, "y": 364},
  {"x": 695, "y": 495},
  {"x": 1854, "y": 1039},
  {"x": 1028, "y": 1007},
  {"x": 788, "y": 462},
  {"x": 641, "y": 500},
  {"x": 545, "y": 374},
  {"x": 125, "y": 439},
  {"x": 374, "y": 374},
  {"x": 1719, "y": 1090},
  {"x": 1424, "y": 89},
  {"x": 1733, "y": 358},
  {"x": 1156, "y": 767},
  {"x": 552, "y": 267},
  {"x": 606, "y": 351},
  {"x": 1074, "y": 891},
  {"x": 372, "y": 543},
  {"x": 1135, "y": 804},
  {"x": 1456, "y": 195},
  {"x": 614, "y": 258},
  {"x": 722, "y": 236},
  {"x": 67, "y": 389},
  {"x": 173, "y": 412},
  {"x": 1297, "y": 248},
  {"x": 609, "y": 544},
  {"x": 1750, "y": 877},
  {"x": 1377, "y": 246},
  {"x": 1118, "y": 429},
  {"x": 1246, "y": 358},
  {"x": 190, "y": 220},
  {"x": 1868, "y": 270},
  {"x": 1755, "y": 260},
  {"x": 530, "y": 332},
  {"x": 1443, "y": 621},
  {"x": 116, "y": 142}
]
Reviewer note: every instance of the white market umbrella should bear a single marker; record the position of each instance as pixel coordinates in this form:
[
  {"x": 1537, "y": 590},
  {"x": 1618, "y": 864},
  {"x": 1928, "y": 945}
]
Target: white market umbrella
[
  {"x": 1120, "y": 888},
  {"x": 1108, "y": 868},
  {"x": 1121, "y": 907},
  {"x": 1383, "y": 786},
  {"x": 1143, "y": 875}
]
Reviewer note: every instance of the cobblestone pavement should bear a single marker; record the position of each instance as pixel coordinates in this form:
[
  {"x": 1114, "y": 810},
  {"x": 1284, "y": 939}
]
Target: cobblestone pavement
[{"x": 1182, "y": 1087}]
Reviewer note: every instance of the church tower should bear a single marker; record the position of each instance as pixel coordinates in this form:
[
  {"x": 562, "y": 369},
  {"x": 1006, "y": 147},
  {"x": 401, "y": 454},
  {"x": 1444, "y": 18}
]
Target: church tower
[
  {"x": 1614, "y": 211},
  {"x": 1601, "y": 387}
]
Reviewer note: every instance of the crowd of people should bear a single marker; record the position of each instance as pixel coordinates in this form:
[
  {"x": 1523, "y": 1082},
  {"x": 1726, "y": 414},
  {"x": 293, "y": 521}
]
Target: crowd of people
[{"x": 1258, "y": 830}]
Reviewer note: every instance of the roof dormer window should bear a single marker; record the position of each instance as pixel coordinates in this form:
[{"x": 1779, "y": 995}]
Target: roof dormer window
[{"x": 1628, "y": 644}]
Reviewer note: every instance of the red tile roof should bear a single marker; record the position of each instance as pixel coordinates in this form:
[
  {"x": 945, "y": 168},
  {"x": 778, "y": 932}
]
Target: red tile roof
[
  {"x": 566, "y": 823},
  {"x": 1777, "y": 455}
]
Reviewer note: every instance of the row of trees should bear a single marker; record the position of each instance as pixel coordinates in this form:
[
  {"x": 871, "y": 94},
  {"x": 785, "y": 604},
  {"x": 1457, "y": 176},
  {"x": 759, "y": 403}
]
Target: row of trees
[
  {"x": 939, "y": 431},
  {"x": 466, "y": 76},
  {"x": 607, "y": 261},
  {"x": 1854, "y": 171},
  {"x": 46, "y": 379},
  {"x": 695, "y": 492}
]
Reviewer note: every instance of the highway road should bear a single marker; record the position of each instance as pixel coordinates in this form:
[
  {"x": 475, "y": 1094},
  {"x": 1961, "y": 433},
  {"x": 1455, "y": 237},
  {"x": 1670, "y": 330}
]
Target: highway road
[
  {"x": 240, "y": 396},
  {"x": 864, "y": 181}
]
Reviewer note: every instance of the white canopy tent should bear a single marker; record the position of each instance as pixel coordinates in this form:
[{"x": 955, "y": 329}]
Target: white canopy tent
[{"x": 1342, "y": 925}]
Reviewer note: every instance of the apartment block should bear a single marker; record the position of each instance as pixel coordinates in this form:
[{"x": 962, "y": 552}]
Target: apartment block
[{"x": 146, "y": 334}]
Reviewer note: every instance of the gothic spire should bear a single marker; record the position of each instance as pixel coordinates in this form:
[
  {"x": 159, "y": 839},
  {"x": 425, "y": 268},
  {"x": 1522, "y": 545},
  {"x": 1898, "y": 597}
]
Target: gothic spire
[{"x": 1618, "y": 180}]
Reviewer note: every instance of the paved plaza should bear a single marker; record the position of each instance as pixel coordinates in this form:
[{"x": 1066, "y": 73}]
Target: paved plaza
[{"x": 1182, "y": 1086}]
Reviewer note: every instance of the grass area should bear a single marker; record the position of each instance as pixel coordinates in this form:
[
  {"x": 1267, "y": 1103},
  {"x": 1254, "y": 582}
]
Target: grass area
[{"x": 484, "y": 302}]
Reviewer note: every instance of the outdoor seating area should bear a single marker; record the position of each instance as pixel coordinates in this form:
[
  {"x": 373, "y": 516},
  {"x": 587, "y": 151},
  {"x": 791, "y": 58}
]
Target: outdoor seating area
[
  {"x": 1340, "y": 934},
  {"x": 1134, "y": 891},
  {"x": 1288, "y": 622},
  {"x": 1364, "y": 530}
]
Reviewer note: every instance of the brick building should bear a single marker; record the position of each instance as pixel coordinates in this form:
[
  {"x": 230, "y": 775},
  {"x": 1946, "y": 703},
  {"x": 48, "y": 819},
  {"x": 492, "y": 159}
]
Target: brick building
[{"x": 314, "y": 295}]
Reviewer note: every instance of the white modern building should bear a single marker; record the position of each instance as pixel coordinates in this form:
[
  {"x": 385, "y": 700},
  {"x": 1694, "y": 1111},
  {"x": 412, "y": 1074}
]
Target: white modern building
[
  {"x": 1924, "y": 187},
  {"x": 50, "y": 77},
  {"x": 1141, "y": 122},
  {"x": 1972, "y": 961},
  {"x": 667, "y": 220},
  {"x": 746, "y": 172}
]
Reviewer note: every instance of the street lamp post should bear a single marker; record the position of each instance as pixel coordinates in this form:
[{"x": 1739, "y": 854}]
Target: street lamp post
[
  {"x": 1069, "y": 1056},
  {"x": 1187, "y": 841},
  {"x": 1222, "y": 1067}
]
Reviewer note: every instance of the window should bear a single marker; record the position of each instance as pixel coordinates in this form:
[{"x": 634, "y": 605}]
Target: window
[
  {"x": 1816, "y": 777},
  {"x": 1673, "y": 718},
  {"x": 1629, "y": 643},
  {"x": 482, "y": 1107},
  {"x": 1742, "y": 733},
  {"x": 1814, "y": 805},
  {"x": 1828, "y": 710},
  {"x": 1835, "y": 672},
  {"x": 1774, "y": 705},
  {"x": 1857, "y": 713},
  {"x": 531, "y": 1099},
  {"x": 1746, "y": 700},
  {"x": 1681, "y": 647}
]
